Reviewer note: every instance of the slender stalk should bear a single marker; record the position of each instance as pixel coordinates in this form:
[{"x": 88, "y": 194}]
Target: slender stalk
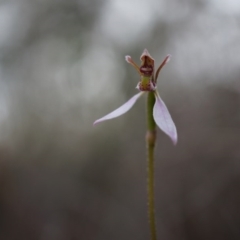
[{"x": 150, "y": 140}]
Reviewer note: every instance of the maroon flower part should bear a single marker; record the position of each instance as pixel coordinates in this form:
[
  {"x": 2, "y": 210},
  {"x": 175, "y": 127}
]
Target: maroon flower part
[{"x": 148, "y": 83}]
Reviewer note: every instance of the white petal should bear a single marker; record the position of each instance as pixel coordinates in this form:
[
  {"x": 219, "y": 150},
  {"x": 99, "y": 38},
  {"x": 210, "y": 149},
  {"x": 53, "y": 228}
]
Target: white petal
[
  {"x": 121, "y": 110},
  {"x": 168, "y": 57},
  {"x": 146, "y": 54},
  {"x": 163, "y": 119},
  {"x": 128, "y": 59}
]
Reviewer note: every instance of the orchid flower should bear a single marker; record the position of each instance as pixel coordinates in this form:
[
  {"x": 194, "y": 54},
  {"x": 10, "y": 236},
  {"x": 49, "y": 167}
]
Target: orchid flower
[{"x": 148, "y": 83}]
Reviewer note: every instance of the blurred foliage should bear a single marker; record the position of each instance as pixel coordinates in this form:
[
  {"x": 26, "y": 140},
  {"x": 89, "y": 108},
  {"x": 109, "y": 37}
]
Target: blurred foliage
[{"x": 62, "y": 66}]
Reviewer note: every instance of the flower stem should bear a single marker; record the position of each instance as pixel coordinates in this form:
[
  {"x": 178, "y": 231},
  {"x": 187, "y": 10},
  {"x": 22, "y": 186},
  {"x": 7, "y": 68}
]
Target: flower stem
[{"x": 151, "y": 139}]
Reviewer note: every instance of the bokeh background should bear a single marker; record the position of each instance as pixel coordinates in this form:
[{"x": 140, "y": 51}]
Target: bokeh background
[{"x": 62, "y": 66}]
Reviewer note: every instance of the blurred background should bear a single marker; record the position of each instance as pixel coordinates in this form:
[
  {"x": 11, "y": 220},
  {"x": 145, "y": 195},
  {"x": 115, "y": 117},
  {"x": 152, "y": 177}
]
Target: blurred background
[{"x": 62, "y": 66}]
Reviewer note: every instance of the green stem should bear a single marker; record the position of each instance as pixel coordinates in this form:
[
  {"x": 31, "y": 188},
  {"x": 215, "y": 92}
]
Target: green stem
[{"x": 151, "y": 139}]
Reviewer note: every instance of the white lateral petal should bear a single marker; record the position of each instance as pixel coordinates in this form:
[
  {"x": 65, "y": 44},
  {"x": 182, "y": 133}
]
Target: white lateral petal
[
  {"x": 163, "y": 119},
  {"x": 121, "y": 110}
]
